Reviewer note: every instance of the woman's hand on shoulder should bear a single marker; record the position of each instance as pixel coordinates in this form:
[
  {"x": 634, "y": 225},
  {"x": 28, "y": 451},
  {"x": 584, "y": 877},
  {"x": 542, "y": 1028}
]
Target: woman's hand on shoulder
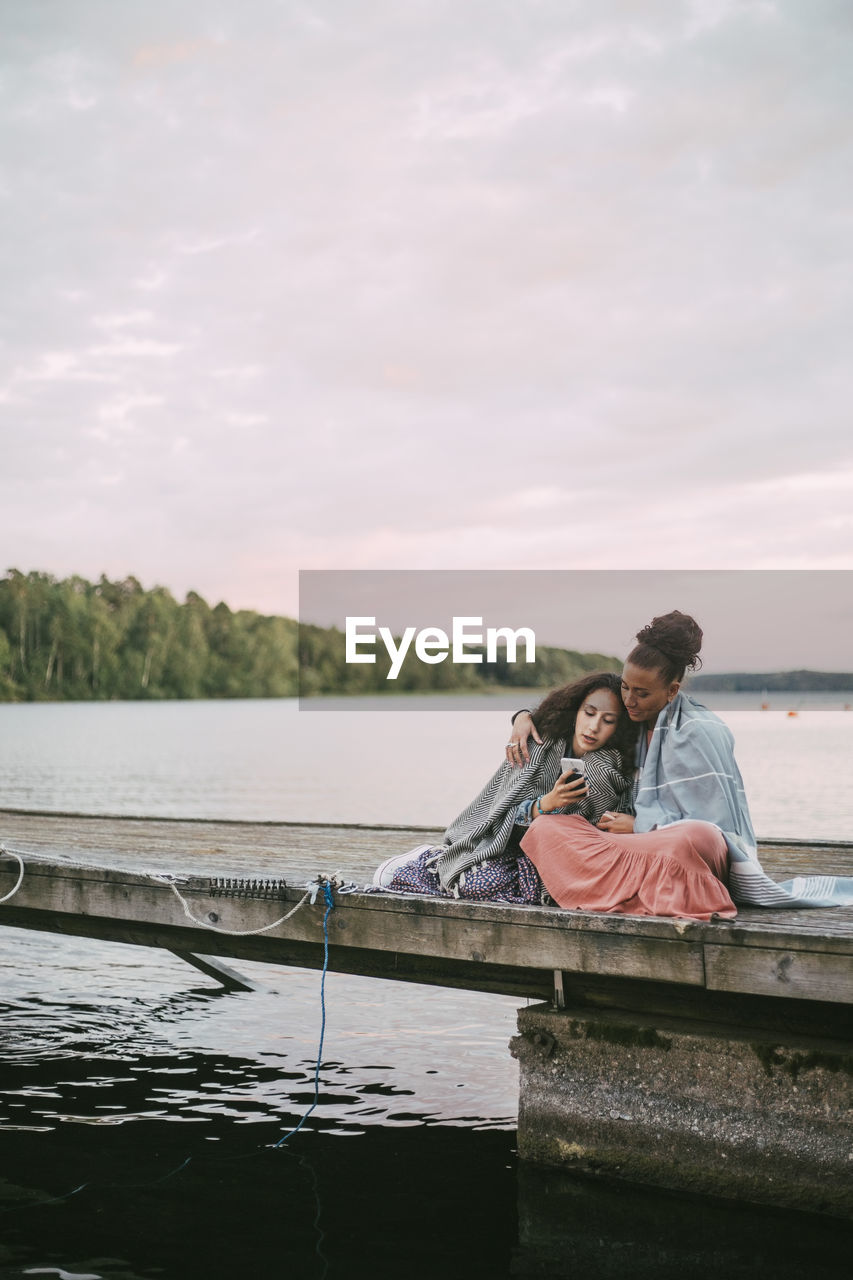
[
  {"x": 619, "y": 824},
  {"x": 518, "y": 747}
]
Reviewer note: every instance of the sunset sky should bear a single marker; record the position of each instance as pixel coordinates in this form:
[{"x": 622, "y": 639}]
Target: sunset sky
[{"x": 431, "y": 284}]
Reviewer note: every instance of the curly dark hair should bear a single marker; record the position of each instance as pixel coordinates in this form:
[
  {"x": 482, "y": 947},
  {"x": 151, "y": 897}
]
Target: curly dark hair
[
  {"x": 669, "y": 645},
  {"x": 556, "y": 714}
]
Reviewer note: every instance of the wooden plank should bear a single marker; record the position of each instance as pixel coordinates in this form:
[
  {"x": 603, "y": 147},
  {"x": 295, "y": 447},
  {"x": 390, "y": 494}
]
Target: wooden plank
[
  {"x": 732, "y": 1010},
  {"x": 785, "y": 974},
  {"x": 372, "y": 963},
  {"x": 415, "y": 926},
  {"x": 522, "y": 942},
  {"x": 727, "y": 1011},
  {"x": 739, "y": 932},
  {"x": 300, "y": 850}
]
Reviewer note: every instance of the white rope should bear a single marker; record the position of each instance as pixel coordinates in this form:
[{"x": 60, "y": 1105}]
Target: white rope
[
  {"x": 237, "y": 933},
  {"x": 311, "y": 893},
  {"x": 20, "y": 861}
]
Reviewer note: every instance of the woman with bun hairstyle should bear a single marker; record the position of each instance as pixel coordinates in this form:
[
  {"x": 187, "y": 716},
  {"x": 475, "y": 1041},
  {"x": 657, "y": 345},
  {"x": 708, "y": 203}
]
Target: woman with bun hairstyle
[
  {"x": 480, "y": 857},
  {"x": 690, "y": 849}
]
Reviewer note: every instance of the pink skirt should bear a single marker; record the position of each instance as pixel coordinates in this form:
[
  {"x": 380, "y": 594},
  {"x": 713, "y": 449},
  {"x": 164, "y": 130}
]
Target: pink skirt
[{"x": 679, "y": 870}]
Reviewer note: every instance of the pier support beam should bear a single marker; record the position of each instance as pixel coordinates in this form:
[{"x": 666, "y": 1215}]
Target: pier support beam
[
  {"x": 693, "y": 1107},
  {"x": 230, "y": 979}
]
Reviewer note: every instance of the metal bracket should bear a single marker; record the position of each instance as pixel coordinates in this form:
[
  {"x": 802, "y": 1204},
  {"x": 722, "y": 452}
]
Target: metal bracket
[{"x": 233, "y": 887}]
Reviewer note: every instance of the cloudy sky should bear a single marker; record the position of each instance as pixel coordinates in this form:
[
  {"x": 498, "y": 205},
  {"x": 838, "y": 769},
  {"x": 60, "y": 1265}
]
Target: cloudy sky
[{"x": 373, "y": 284}]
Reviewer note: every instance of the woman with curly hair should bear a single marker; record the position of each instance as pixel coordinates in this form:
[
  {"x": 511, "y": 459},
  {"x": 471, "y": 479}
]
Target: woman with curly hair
[{"x": 480, "y": 857}]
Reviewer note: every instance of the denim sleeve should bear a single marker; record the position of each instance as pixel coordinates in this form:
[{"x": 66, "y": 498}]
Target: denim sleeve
[{"x": 523, "y": 812}]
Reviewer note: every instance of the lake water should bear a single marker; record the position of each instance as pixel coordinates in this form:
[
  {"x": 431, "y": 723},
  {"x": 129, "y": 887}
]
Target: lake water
[
  {"x": 117, "y": 1064},
  {"x": 417, "y": 764}
]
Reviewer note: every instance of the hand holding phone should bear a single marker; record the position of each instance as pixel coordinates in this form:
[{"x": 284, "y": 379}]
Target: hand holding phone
[
  {"x": 570, "y": 788},
  {"x": 572, "y": 764}
]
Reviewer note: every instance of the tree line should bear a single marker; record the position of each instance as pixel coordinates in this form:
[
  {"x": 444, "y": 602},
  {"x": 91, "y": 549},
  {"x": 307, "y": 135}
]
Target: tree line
[
  {"x": 78, "y": 640},
  {"x": 73, "y": 640}
]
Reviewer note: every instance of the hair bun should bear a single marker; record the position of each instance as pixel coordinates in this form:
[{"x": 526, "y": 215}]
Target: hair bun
[{"x": 677, "y": 636}]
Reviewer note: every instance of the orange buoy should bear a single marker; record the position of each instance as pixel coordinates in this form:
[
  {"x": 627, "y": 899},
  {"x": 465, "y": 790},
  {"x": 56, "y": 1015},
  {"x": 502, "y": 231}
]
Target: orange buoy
[
  {"x": 793, "y": 713},
  {"x": 765, "y": 706}
]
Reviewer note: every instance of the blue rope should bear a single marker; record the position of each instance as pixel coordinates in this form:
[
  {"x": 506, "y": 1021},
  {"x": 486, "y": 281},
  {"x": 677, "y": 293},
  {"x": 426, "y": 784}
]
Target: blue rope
[
  {"x": 330, "y": 903},
  {"x": 122, "y": 1186},
  {"x": 37, "y": 1204}
]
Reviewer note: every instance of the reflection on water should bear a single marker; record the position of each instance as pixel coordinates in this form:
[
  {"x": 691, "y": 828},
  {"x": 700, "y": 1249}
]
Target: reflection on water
[
  {"x": 67, "y": 999},
  {"x": 570, "y": 1227},
  {"x": 416, "y": 1202},
  {"x": 209, "y": 1198},
  {"x": 113, "y": 1074}
]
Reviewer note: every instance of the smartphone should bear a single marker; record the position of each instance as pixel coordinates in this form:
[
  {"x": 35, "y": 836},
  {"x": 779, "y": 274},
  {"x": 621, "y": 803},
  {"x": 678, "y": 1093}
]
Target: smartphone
[{"x": 572, "y": 764}]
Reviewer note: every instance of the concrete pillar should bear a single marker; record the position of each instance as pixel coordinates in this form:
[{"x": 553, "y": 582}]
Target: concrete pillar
[{"x": 688, "y": 1106}]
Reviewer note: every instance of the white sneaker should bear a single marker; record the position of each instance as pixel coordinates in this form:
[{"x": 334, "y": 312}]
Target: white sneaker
[{"x": 384, "y": 873}]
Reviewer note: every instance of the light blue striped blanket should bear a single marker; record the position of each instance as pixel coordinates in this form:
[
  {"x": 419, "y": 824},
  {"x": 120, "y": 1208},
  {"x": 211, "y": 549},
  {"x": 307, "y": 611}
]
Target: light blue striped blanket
[{"x": 690, "y": 772}]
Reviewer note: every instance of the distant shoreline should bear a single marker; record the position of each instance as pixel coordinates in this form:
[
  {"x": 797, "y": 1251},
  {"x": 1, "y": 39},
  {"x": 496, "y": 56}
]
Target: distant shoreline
[
  {"x": 485, "y": 699},
  {"x": 767, "y": 685},
  {"x": 802, "y": 681}
]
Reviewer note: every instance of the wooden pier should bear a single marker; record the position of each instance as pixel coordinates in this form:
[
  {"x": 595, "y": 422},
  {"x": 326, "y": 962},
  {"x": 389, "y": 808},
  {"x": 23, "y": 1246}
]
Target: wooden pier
[{"x": 717, "y": 1056}]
